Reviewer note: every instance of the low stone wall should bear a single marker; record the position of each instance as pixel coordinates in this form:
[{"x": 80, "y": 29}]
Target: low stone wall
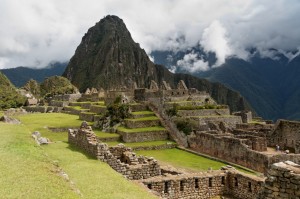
[
  {"x": 59, "y": 103},
  {"x": 144, "y": 136},
  {"x": 283, "y": 181},
  {"x": 230, "y": 149},
  {"x": 226, "y": 182},
  {"x": 158, "y": 147},
  {"x": 120, "y": 158},
  {"x": 98, "y": 109},
  {"x": 203, "y": 112},
  {"x": 231, "y": 121},
  {"x": 67, "y": 97},
  {"x": 199, "y": 185},
  {"x": 87, "y": 116},
  {"x": 240, "y": 185},
  {"x": 109, "y": 139},
  {"x": 132, "y": 124},
  {"x": 43, "y": 109},
  {"x": 235, "y": 150},
  {"x": 138, "y": 107}
]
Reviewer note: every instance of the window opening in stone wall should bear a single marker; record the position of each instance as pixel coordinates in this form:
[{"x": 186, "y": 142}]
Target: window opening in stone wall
[
  {"x": 236, "y": 183},
  {"x": 166, "y": 188},
  {"x": 292, "y": 141},
  {"x": 181, "y": 185},
  {"x": 249, "y": 187},
  {"x": 210, "y": 182},
  {"x": 197, "y": 183},
  {"x": 149, "y": 186},
  {"x": 223, "y": 180}
]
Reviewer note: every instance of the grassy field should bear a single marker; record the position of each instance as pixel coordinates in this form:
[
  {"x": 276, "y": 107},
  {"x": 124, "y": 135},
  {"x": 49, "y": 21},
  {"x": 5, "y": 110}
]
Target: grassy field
[
  {"x": 185, "y": 160},
  {"x": 182, "y": 159},
  {"x": 30, "y": 171},
  {"x": 136, "y": 144},
  {"x": 102, "y": 134}
]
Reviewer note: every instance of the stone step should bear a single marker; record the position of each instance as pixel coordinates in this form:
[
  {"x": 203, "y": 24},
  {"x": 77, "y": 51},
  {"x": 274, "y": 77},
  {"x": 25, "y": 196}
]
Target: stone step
[
  {"x": 138, "y": 107},
  {"x": 99, "y": 109},
  {"x": 87, "y": 116},
  {"x": 142, "y": 122},
  {"x": 143, "y": 134},
  {"x": 75, "y": 110},
  {"x": 141, "y": 114}
]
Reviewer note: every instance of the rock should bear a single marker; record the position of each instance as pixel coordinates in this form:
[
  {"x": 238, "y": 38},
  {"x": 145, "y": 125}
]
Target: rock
[
  {"x": 9, "y": 120},
  {"x": 43, "y": 140}
]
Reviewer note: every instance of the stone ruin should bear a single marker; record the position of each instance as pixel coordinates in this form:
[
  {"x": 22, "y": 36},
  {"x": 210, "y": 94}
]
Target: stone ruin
[
  {"x": 283, "y": 179},
  {"x": 120, "y": 158}
]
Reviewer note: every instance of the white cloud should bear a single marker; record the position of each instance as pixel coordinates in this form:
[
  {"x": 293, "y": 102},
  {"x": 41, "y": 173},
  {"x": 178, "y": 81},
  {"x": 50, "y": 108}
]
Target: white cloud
[
  {"x": 214, "y": 39},
  {"x": 192, "y": 62},
  {"x": 34, "y": 33}
]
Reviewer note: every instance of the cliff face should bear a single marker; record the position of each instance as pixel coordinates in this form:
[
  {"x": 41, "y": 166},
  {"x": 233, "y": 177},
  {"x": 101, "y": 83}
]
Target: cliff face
[{"x": 107, "y": 57}]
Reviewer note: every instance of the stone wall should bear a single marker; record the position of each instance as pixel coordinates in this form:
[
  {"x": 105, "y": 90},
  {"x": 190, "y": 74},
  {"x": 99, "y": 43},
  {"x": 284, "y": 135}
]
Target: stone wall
[
  {"x": 203, "y": 112},
  {"x": 59, "y": 103},
  {"x": 67, "y": 97},
  {"x": 230, "y": 149},
  {"x": 244, "y": 186},
  {"x": 133, "y": 123},
  {"x": 87, "y": 116},
  {"x": 43, "y": 109},
  {"x": 98, "y": 109},
  {"x": 286, "y": 135},
  {"x": 239, "y": 150},
  {"x": 283, "y": 181},
  {"x": 120, "y": 158},
  {"x": 226, "y": 182},
  {"x": 231, "y": 121},
  {"x": 144, "y": 136}
]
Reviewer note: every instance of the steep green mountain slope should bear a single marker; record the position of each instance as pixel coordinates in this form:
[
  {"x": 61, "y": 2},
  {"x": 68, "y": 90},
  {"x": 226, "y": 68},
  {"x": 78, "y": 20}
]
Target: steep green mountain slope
[
  {"x": 107, "y": 57},
  {"x": 9, "y": 97}
]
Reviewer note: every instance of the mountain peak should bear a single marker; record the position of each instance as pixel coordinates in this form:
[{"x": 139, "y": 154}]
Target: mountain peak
[{"x": 107, "y": 52}]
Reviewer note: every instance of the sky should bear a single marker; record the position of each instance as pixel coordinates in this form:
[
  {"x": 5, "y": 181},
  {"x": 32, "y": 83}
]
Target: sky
[{"x": 35, "y": 33}]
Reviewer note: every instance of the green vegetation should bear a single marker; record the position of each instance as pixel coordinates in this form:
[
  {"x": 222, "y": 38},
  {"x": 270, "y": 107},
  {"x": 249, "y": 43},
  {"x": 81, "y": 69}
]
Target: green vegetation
[
  {"x": 30, "y": 171},
  {"x": 102, "y": 134},
  {"x": 26, "y": 172},
  {"x": 172, "y": 111},
  {"x": 33, "y": 87},
  {"x": 40, "y": 122},
  {"x": 183, "y": 159},
  {"x": 137, "y": 130},
  {"x": 137, "y": 144},
  {"x": 185, "y": 125},
  {"x": 117, "y": 111},
  {"x": 56, "y": 85},
  {"x": 9, "y": 97},
  {"x": 144, "y": 119}
]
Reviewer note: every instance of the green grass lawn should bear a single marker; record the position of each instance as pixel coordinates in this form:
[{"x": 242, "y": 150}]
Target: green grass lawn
[
  {"x": 41, "y": 121},
  {"x": 182, "y": 159},
  {"x": 146, "y": 129},
  {"x": 185, "y": 160},
  {"x": 102, "y": 134},
  {"x": 30, "y": 171},
  {"x": 144, "y": 119},
  {"x": 136, "y": 144}
]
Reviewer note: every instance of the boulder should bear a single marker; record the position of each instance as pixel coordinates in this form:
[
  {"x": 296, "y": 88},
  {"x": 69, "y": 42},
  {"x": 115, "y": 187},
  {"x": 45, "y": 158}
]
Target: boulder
[{"x": 9, "y": 120}]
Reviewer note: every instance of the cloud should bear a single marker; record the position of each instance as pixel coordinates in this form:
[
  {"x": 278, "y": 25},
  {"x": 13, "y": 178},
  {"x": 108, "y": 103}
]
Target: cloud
[
  {"x": 214, "y": 39},
  {"x": 34, "y": 33},
  {"x": 192, "y": 62}
]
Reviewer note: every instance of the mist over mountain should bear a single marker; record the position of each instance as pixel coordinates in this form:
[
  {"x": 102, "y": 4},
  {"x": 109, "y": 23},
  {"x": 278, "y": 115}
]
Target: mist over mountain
[
  {"x": 270, "y": 82},
  {"x": 20, "y": 75},
  {"x": 108, "y": 58}
]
